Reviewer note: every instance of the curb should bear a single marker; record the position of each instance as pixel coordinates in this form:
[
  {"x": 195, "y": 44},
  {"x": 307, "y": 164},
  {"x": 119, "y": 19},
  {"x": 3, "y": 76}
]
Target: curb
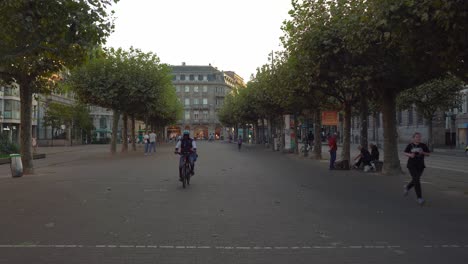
[{"x": 35, "y": 157}]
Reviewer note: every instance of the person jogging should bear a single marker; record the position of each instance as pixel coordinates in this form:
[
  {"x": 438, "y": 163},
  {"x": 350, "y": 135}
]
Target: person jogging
[{"x": 415, "y": 152}]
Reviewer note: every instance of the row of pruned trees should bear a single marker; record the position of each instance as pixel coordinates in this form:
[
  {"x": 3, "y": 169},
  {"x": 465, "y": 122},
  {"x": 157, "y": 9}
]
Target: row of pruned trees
[
  {"x": 42, "y": 38},
  {"x": 361, "y": 56},
  {"x": 134, "y": 84}
]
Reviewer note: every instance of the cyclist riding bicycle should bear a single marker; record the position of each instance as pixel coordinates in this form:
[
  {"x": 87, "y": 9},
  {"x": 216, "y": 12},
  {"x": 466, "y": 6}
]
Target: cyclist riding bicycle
[{"x": 187, "y": 146}]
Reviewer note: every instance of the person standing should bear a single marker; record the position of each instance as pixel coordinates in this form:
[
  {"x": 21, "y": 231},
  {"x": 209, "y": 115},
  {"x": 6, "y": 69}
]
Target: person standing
[
  {"x": 152, "y": 140},
  {"x": 146, "y": 142},
  {"x": 333, "y": 147},
  {"x": 239, "y": 143},
  {"x": 416, "y": 151}
]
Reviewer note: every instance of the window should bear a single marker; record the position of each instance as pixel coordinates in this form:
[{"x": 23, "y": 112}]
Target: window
[
  {"x": 400, "y": 118},
  {"x": 219, "y": 101},
  {"x": 205, "y": 89},
  {"x": 187, "y": 114},
  {"x": 195, "y": 101},
  {"x": 177, "y": 88},
  {"x": 211, "y": 77},
  {"x": 205, "y": 114},
  {"x": 195, "y": 89},
  {"x": 103, "y": 123},
  {"x": 200, "y": 77},
  {"x": 34, "y": 112},
  {"x": 182, "y": 77},
  {"x": 11, "y": 91},
  {"x": 220, "y": 90},
  {"x": 187, "y": 89},
  {"x": 173, "y": 77},
  {"x": 377, "y": 120},
  {"x": 192, "y": 77},
  {"x": 205, "y": 101},
  {"x": 465, "y": 104},
  {"x": 12, "y": 109},
  {"x": 195, "y": 114},
  {"x": 187, "y": 101},
  {"x": 419, "y": 118},
  {"x": 410, "y": 116}
]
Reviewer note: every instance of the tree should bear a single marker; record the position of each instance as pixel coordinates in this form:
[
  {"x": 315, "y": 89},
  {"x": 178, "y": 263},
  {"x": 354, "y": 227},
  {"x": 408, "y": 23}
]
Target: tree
[
  {"x": 130, "y": 82},
  {"x": 40, "y": 38},
  {"x": 56, "y": 115},
  {"x": 439, "y": 94}
]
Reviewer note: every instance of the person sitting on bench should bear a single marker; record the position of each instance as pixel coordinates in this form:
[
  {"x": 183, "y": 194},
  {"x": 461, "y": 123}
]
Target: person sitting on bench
[{"x": 363, "y": 157}]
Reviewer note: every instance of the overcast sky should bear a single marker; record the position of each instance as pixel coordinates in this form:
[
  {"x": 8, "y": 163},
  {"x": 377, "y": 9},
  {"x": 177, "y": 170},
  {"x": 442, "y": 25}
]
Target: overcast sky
[{"x": 234, "y": 35}]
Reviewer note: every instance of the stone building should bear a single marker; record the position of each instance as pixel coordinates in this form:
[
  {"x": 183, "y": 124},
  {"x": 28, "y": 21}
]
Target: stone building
[
  {"x": 201, "y": 90},
  {"x": 449, "y": 129},
  {"x": 10, "y": 107}
]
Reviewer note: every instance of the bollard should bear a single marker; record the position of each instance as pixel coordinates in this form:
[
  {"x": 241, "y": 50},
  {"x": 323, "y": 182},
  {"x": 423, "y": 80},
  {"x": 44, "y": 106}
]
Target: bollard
[{"x": 16, "y": 165}]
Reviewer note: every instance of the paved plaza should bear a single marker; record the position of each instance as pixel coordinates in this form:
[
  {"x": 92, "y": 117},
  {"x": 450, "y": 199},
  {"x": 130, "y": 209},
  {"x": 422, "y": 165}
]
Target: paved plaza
[{"x": 252, "y": 206}]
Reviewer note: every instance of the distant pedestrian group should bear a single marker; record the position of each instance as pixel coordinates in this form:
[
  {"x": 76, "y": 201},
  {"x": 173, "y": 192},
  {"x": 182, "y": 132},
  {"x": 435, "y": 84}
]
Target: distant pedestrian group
[{"x": 150, "y": 142}]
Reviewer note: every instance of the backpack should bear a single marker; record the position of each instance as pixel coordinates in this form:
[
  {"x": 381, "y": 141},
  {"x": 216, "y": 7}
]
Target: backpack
[{"x": 186, "y": 145}]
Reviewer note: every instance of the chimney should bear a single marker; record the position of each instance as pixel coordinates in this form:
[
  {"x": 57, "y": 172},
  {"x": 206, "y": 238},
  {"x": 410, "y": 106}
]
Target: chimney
[{"x": 183, "y": 63}]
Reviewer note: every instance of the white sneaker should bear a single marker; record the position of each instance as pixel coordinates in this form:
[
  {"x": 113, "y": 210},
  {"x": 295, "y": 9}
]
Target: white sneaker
[
  {"x": 421, "y": 201},
  {"x": 405, "y": 191}
]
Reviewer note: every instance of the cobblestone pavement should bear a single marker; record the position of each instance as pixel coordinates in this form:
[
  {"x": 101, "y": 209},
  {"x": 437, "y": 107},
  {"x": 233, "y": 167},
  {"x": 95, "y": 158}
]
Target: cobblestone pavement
[{"x": 252, "y": 206}]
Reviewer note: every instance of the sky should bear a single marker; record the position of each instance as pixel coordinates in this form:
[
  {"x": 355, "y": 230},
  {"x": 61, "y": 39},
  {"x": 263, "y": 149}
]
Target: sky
[{"x": 232, "y": 35}]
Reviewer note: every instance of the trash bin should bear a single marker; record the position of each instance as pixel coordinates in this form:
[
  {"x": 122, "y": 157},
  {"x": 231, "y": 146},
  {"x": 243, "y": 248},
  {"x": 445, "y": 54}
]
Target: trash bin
[{"x": 16, "y": 165}]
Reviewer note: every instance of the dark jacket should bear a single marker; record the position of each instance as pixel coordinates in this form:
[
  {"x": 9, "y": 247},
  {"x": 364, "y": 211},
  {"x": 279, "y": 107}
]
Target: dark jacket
[{"x": 374, "y": 153}]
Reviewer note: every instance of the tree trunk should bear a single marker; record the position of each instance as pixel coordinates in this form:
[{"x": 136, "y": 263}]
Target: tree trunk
[
  {"x": 364, "y": 117},
  {"x": 374, "y": 127},
  {"x": 244, "y": 133},
  {"x": 270, "y": 134},
  {"x": 430, "y": 139},
  {"x": 70, "y": 136},
  {"x": 133, "y": 134},
  {"x": 346, "y": 151},
  {"x": 296, "y": 140},
  {"x": 263, "y": 132},
  {"x": 125, "y": 133},
  {"x": 25, "y": 128},
  {"x": 391, "y": 164},
  {"x": 257, "y": 134},
  {"x": 318, "y": 136},
  {"x": 115, "y": 127}
]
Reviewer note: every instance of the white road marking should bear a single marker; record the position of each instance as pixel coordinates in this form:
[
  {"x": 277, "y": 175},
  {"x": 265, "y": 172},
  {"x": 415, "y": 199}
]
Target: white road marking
[{"x": 318, "y": 247}]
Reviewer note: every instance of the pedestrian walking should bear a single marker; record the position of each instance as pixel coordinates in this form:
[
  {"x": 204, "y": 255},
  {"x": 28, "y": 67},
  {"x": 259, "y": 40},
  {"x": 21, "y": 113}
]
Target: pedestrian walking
[
  {"x": 146, "y": 141},
  {"x": 152, "y": 140},
  {"x": 333, "y": 147},
  {"x": 415, "y": 151},
  {"x": 239, "y": 143}
]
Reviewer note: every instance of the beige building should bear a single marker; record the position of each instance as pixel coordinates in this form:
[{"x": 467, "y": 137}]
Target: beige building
[{"x": 201, "y": 90}]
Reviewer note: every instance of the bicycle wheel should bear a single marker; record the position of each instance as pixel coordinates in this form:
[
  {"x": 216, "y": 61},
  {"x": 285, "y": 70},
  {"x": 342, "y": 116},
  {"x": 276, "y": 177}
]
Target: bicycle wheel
[
  {"x": 187, "y": 176},
  {"x": 184, "y": 177}
]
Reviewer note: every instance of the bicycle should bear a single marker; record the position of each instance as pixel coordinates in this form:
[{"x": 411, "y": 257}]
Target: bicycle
[{"x": 186, "y": 169}]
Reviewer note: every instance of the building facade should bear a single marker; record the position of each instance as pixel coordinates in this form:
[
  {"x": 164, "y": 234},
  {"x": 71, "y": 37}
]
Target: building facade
[
  {"x": 201, "y": 90},
  {"x": 461, "y": 121},
  {"x": 10, "y": 109},
  {"x": 449, "y": 129}
]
